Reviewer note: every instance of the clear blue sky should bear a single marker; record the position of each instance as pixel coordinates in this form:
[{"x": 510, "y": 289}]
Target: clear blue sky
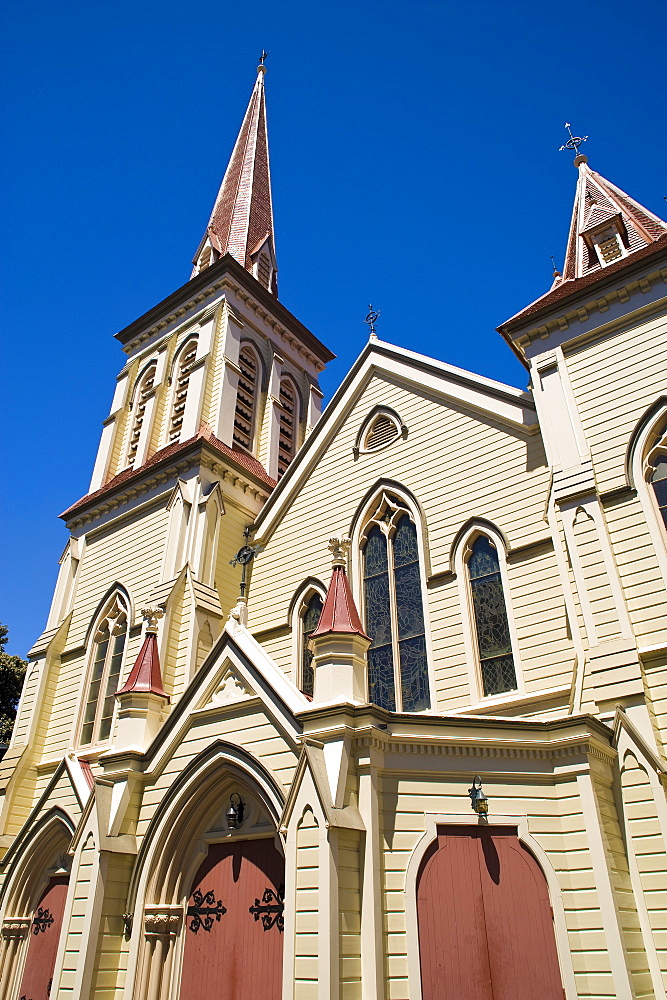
[{"x": 414, "y": 152}]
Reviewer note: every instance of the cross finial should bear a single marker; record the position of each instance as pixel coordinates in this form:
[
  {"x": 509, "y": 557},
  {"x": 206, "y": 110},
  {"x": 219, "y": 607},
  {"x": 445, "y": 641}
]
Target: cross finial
[
  {"x": 574, "y": 142},
  {"x": 263, "y": 57},
  {"x": 371, "y": 320}
]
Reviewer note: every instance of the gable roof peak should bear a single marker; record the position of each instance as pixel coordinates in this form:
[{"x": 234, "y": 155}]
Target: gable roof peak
[{"x": 241, "y": 222}]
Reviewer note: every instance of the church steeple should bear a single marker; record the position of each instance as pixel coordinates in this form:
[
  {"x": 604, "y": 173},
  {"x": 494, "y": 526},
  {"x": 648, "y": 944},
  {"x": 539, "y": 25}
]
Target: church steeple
[
  {"x": 241, "y": 222},
  {"x": 607, "y": 225}
]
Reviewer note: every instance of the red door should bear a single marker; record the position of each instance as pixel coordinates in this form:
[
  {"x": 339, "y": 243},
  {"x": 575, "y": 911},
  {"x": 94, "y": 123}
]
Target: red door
[
  {"x": 485, "y": 924},
  {"x": 234, "y": 924},
  {"x": 43, "y": 944}
]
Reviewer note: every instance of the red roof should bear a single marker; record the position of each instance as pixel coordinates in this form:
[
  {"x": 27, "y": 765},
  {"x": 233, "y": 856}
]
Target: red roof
[
  {"x": 339, "y": 613},
  {"x": 204, "y": 433},
  {"x": 242, "y": 216},
  {"x": 145, "y": 675}
]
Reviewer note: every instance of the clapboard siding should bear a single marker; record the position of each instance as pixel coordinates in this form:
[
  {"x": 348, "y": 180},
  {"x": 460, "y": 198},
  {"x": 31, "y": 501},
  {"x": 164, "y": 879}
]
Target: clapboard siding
[
  {"x": 307, "y": 919},
  {"x": 615, "y": 380},
  {"x": 84, "y": 875}
]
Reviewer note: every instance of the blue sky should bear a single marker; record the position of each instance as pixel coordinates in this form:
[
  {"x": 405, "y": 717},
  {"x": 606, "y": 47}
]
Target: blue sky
[{"x": 414, "y": 153}]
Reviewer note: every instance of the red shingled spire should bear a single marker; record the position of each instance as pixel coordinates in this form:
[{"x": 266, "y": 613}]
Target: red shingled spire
[
  {"x": 241, "y": 222},
  {"x": 339, "y": 613},
  {"x": 146, "y": 676},
  {"x": 607, "y": 225}
]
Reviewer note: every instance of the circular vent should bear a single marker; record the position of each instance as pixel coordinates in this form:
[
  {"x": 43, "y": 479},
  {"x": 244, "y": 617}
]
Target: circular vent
[{"x": 383, "y": 430}]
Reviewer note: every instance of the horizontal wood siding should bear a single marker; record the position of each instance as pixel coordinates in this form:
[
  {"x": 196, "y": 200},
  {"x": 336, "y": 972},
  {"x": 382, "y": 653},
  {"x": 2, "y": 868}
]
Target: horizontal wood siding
[
  {"x": 306, "y": 924},
  {"x": 349, "y": 902},
  {"x": 73, "y": 955}
]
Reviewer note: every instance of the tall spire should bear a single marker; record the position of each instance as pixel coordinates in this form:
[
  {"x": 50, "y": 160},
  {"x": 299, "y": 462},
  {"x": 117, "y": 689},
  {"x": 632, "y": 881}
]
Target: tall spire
[
  {"x": 241, "y": 222},
  {"x": 607, "y": 225}
]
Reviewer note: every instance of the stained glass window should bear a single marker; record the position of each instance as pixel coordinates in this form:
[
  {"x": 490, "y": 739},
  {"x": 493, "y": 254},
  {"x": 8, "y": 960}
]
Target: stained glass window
[
  {"x": 108, "y": 647},
  {"x": 659, "y": 480},
  {"x": 494, "y": 642},
  {"x": 309, "y": 621},
  {"x": 397, "y": 662}
]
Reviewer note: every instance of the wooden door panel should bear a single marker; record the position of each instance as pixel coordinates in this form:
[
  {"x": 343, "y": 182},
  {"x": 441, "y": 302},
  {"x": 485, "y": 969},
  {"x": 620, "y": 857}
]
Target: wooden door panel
[
  {"x": 230, "y": 952},
  {"x": 485, "y": 924},
  {"x": 43, "y": 944},
  {"x": 450, "y": 911},
  {"x": 519, "y": 925}
]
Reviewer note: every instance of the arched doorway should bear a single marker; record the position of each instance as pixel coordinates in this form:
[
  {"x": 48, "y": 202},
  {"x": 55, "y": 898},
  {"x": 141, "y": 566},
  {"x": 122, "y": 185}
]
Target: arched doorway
[
  {"x": 485, "y": 923},
  {"x": 234, "y": 925},
  {"x": 44, "y": 935}
]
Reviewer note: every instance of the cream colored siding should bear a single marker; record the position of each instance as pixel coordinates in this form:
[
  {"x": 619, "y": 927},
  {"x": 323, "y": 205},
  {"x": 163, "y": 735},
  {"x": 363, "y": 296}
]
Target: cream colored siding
[
  {"x": 111, "y": 957},
  {"x": 33, "y": 674},
  {"x": 84, "y": 875},
  {"x": 306, "y": 967},
  {"x": 596, "y": 577},
  {"x": 349, "y": 901},
  {"x": 643, "y": 585},
  {"x": 615, "y": 382}
]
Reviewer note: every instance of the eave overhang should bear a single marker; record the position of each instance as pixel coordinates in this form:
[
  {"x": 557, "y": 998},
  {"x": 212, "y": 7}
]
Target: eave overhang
[{"x": 196, "y": 287}]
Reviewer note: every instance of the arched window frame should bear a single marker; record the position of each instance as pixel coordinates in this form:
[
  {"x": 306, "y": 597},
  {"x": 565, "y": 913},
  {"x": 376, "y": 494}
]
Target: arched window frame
[
  {"x": 287, "y": 380},
  {"x": 115, "y": 599},
  {"x": 463, "y": 551},
  {"x": 138, "y": 403},
  {"x": 360, "y": 444},
  {"x": 649, "y": 441},
  {"x": 250, "y": 348},
  {"x": 180, "y": 367},
  {"x": 361, "y": 524},
  {"x": 298, "y": 608}
]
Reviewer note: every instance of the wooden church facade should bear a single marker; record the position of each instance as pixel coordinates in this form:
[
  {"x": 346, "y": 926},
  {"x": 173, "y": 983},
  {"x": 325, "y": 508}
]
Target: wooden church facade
[{"x": 448, "y": 582}]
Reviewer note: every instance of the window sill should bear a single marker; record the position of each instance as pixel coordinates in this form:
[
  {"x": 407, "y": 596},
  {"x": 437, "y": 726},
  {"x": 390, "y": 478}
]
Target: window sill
[{"x": 512, "y": 700}]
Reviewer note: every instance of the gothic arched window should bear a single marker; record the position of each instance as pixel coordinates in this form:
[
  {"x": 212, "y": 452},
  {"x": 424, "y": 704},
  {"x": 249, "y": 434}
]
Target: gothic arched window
[
  {"x": 106, "y": 659},
  {"x": 492, "y": 629},
  {"x": 398, "y": 677},
  {"x": 658, "y": 478},
  {"x": 181, "y": 381},
  {"x": 246, "y": 398},
  {"x": 141, "y": 397},
  {"x": 288, "y": 425},
  {"x": 309, "y": 619}
]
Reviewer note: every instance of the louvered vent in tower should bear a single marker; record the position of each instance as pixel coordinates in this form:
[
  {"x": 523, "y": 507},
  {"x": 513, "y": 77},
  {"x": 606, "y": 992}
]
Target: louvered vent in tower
[
  {"x": 287, "y": 437},
  {"x": 246, "y": 395},
  {"x": 188, "y": 355}
]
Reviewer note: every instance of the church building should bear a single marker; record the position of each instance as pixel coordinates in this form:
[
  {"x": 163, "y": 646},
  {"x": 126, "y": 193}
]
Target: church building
[{"x": 362, "y": 704}]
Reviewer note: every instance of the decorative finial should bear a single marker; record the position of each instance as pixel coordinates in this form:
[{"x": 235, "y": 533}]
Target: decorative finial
[
  {"x": 371, "y": 320},
  {"x": 574, "y": 142},
  {"x": 556, "y": 273},
  {"x": 338, "y": 548},
  {"x": 262, "y": 68},
  {"x": 152, "y": 616}
]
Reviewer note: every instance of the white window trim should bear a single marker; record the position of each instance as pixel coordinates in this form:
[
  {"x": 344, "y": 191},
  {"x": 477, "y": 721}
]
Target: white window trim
[
  {"x": 148, "y": 416},
  {"x": 643, "y": 448},
  {"x": 360, "y": 523},
  {"x": 462, "y": 554},
  {"x": 174, "y": 371},
  {"x": 298, "y": 609},
  {"x": 255, "y": 423},
  {"x": 367, "y": 423}
]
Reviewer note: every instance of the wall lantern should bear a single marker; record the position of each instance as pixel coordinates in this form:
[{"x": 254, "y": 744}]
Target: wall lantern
[
  {"x": 479, "y": 801},
  {"x": 235, "y": 812}
]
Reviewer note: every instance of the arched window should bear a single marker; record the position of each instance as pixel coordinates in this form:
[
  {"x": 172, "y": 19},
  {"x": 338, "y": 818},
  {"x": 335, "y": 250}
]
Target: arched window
[
  {"x": 180, "y": 393},
  {"x": 658, "y": 478},
  {"x": 489, "y": 611},
  {"x": 397, "y": 661},
  {"x": 108, "y": 646},
  {"x": 142, "y": 394},
  {"x": 309, "y": 619},
  {"x": 246, "y": 398},
  {"x": 288, "y": 425}
]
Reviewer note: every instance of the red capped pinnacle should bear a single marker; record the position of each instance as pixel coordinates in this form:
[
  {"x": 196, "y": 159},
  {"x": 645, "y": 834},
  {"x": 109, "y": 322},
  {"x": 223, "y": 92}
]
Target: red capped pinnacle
[
  {"x": 146, "y": 676},
  {"x": 339, "y": 613}
]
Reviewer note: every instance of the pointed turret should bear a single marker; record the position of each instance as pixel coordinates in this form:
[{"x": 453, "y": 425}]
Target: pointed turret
[
  {"x": 241, "y": 222},
  {"x": 145, "y": 676},
  {"x": 607, "y": 224}
]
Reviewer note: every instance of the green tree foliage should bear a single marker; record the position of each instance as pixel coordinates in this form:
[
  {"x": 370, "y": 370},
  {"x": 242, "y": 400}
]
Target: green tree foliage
[{"x": 12, "y": 672}]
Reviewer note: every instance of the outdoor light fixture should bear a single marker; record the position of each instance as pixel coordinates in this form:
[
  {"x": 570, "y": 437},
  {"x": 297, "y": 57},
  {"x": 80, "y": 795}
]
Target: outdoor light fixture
[
  {"x": 235, "y": 812},
  {"x": 479, "y": 801}
]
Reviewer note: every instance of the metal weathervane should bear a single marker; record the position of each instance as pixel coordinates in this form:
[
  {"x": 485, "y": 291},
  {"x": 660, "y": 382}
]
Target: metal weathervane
[
  {"x": 575, "y": 141},
  {"x": 263, "y": 57},
  {"x": 243, "y": 557},
  {"x": 371, "y": 320}
]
